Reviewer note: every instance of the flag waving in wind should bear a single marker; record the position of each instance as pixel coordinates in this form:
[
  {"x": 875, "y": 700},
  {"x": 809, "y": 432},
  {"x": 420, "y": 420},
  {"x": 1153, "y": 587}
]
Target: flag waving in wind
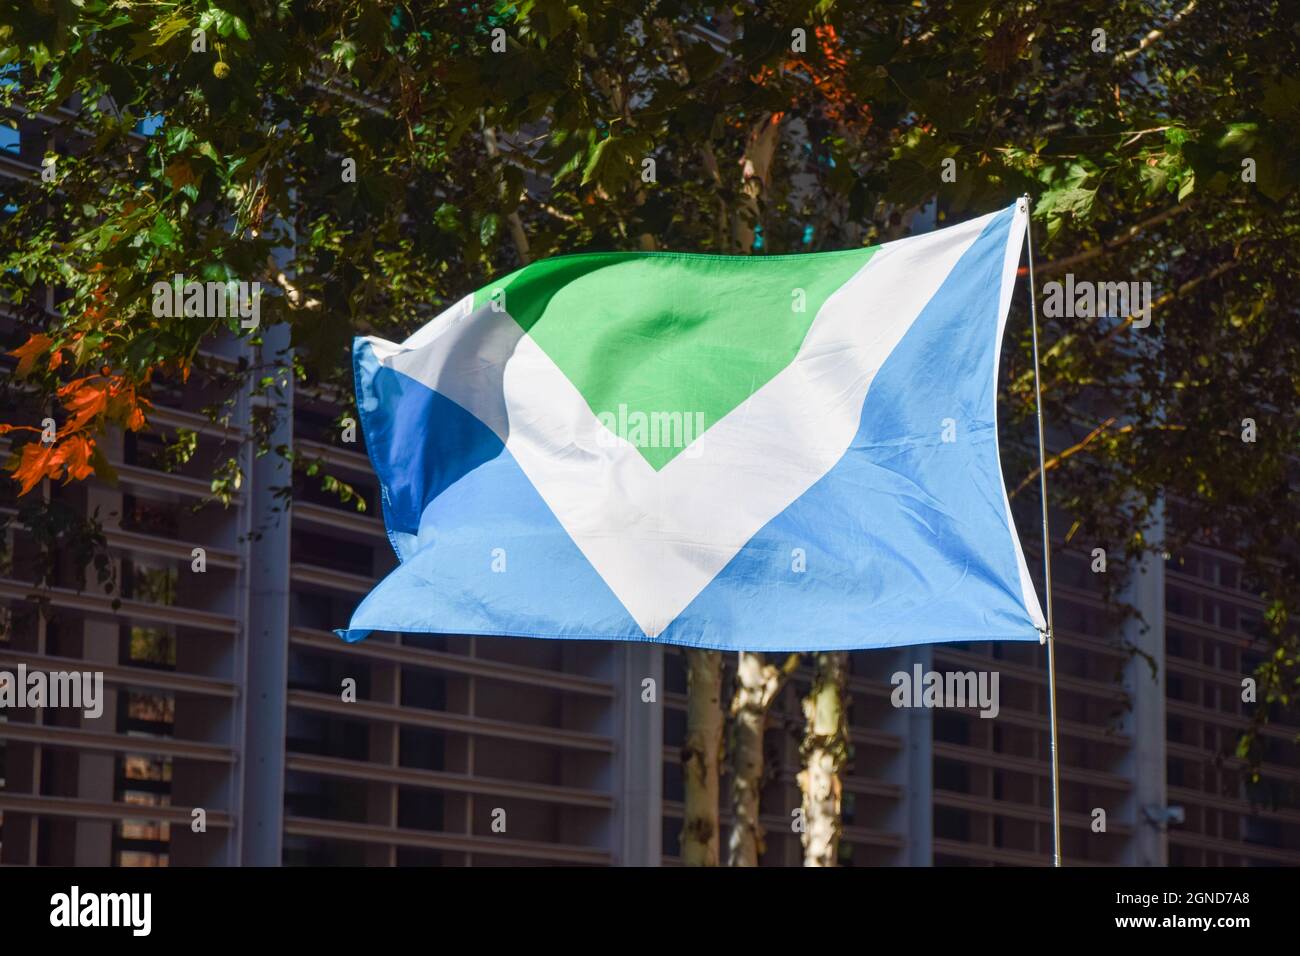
[{"x": 735, "y": 452}]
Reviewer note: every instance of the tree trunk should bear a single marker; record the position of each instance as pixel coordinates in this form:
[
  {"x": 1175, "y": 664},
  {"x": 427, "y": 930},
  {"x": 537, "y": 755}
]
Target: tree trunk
[
  {"x": 757, "y": 684},
  {"x": 700, "y": 757},
  {"x": 825, "y": 751}
]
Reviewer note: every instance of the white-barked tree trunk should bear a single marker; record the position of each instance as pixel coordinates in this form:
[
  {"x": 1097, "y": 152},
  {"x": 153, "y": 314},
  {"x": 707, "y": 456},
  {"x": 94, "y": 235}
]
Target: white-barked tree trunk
[
  {"x": 701, "y": 755},
  {"x": 825, "y": 752},
  {"x": 757, "y": 685}
]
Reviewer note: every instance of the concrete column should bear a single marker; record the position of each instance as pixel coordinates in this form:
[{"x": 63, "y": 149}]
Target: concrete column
[
  {"x": 96, "y": 775},
  {"x": 1145, "y": 762},
  {"x": 266, "y": 637},
  {"x": 918, "y": 746},
  {"x": 638, "y": 795},
  {"x": 913, "y": 768}
]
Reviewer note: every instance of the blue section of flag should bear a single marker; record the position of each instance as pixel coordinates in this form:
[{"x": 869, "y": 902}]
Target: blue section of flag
[
  {"x": 901, "y": 542},
  {"x": 889, "y": 499},
  {"x": 420, "y": 443}
]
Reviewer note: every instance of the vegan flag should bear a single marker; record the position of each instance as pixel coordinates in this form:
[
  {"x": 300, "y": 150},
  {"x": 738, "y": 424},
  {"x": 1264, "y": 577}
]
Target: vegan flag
[{"x": 736, "y": 452}]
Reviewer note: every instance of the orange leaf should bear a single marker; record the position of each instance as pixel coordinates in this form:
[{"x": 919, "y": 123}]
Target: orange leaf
[
  {"x": 34, "y": 466},
  {"x": 70, "y": 458},
  {"x": 84, "y": 403},
  {"x": 28, "y": 352},
  {"x": 76, "y": 455}
]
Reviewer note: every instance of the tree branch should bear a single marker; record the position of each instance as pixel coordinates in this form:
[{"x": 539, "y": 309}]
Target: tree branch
[
  {"x": 551, "y": 210},
  {"x": 1155, "y": 35},
  {"x": 1110, "y": 245},
  {"x": 1183, "y": 289},
  {"x": 1056, "y": 460}
]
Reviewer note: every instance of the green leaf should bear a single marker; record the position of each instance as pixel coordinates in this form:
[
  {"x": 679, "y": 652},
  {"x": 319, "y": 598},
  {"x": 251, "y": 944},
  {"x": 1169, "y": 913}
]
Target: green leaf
[
  {"x": 179, "y": 138},
  {"x": 570, "y": 166},
  {"x": 169, "y": 27},
  {"x": 447, "y": 218},
  {"x": 344, "y": 52},
  {"x": 85, "y": 348},
  {"x": 1066, "y": 200},
  {"x": 1239, "y": 135},
  {"x": 162, "y": 233},
  {"x": 600, "y": 159},
  {"x": 1155, "y": 178},
  {"x": 104, "y": 470}
]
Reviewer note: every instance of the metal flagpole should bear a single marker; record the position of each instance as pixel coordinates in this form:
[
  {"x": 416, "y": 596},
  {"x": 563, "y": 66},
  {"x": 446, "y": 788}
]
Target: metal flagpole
[{"x": 1047, "y": 553}]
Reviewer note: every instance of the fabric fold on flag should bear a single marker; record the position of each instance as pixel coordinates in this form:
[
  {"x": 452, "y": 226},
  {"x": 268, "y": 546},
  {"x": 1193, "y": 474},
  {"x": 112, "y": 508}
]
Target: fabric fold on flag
[{"x": 768, "y": 453}]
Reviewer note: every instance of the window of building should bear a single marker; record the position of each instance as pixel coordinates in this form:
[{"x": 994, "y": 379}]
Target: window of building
[
  {"x": 951, "y": 775},
  {"x": 146, "y": 782},
  {"x": 149, "y": 647},
  {"x": 152, "y": 581},
  {"x": 147, "y": 516},
  {"x": 951, "y": 823}
]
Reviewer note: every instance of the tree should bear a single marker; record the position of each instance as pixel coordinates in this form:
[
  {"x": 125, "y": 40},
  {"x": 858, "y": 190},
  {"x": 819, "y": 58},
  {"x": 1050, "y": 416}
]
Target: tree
[
  {"x": 825, "y": 752},
  {"x": 701, "y": 758},
  {"x": 757, "y": 685}
]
